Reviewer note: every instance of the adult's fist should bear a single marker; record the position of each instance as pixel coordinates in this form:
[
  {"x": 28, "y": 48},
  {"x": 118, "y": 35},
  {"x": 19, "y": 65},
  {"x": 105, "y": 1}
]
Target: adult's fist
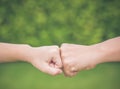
[{"x": 78, "y": 57}]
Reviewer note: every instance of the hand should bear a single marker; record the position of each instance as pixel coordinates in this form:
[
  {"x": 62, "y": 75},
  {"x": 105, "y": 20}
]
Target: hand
[
  {"x": 78, "y": 57},
  {"x": 46, "y": 58}
]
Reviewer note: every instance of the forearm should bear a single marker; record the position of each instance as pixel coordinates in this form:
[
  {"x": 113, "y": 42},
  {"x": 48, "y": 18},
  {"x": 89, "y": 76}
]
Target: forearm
[
  {"x": 13, "y": 52},
  {"x": 109, "y": 50}
]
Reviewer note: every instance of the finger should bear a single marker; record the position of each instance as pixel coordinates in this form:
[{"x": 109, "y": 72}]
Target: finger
[
  {"x": 51, "y": 70},
  {"x": 66, "y": 70},
  {"x": 74, "y": 69},
  {"x": 72, "y": 74},
  {"x": 69, "y": 73},
  {"x": 46, "y": 68},
  {"x": 58, "y": 60},
  {"x": 70, "y": 69},
  {"x": 90, "y": 67}
]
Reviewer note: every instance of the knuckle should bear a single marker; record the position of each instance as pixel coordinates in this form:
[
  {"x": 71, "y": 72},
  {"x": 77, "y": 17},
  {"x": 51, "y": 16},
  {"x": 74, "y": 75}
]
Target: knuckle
[
  {"x": 64, "y": 44},
  {"x": 74, "y": 69},
  {"x": 65, "y": 47},
  {"x": 69, "y": 74},
  {"x": 66, "y": 62},
  {"x": 55, "y": 46},
  {"x": 62, "y": 49},
  {"x": 54, "y": 50},
  {"x": 63, "y": 55}
]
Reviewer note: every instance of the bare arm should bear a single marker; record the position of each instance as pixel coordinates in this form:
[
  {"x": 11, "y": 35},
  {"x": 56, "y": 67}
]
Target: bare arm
[
  {"x": 13, "y": 52},
  {"x": 81, "y": 57},
  {"x": 110, "y": 50},
  {"x": 45, "y": 58}
]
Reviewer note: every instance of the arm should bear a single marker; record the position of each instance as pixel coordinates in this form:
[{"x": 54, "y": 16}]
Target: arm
[
  {"x": 13, "y": 52},
  {"x": 79, "y": 57},
  {"x": 45, "y": 58},
  {"x": 109, "y": 49}
]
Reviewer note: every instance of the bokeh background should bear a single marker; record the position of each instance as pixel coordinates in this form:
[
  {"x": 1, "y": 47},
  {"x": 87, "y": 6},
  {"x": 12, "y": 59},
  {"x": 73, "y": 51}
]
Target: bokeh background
[{"x": 53, "y": 22}]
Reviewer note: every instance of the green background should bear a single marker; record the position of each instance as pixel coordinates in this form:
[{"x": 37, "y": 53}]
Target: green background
[{"x": 53, "y": 22}]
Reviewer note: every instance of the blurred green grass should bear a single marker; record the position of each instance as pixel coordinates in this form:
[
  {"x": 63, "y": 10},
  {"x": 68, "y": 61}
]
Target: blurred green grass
[
  {"x": 45, "y": 22},
  {"x": 24, "y": 76}
]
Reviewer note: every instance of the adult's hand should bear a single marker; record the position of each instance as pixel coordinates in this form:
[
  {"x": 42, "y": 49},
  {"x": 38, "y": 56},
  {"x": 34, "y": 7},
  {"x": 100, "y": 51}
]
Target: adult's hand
[{"x": 78, "y": 57}]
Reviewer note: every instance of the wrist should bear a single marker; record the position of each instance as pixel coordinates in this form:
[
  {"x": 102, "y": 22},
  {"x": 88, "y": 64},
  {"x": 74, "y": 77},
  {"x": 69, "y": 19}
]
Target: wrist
[
  {"x": 23, "y": 52},
  {"x": 100, "y": 53}
]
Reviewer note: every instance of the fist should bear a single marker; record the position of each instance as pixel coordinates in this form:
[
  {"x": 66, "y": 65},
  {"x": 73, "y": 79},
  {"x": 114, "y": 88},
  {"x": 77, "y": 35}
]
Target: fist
[
  {"x": 46, "y": 58},
  {"x": 78, "y": 57}
]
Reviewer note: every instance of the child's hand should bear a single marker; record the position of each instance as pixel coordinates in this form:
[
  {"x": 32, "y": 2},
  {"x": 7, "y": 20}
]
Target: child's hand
[{"x": 45, "y": 58}]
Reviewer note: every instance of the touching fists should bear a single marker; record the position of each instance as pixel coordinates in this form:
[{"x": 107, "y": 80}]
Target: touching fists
[{"x": 70, "y": 58}]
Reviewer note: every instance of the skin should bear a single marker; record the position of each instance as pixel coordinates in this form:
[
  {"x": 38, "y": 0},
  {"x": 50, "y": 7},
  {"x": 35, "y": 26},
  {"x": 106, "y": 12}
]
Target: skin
[
  {"x": 79, "y": 57},
  {"x": 45, "y": 58},
  {"x": 71, "y": 58}
]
